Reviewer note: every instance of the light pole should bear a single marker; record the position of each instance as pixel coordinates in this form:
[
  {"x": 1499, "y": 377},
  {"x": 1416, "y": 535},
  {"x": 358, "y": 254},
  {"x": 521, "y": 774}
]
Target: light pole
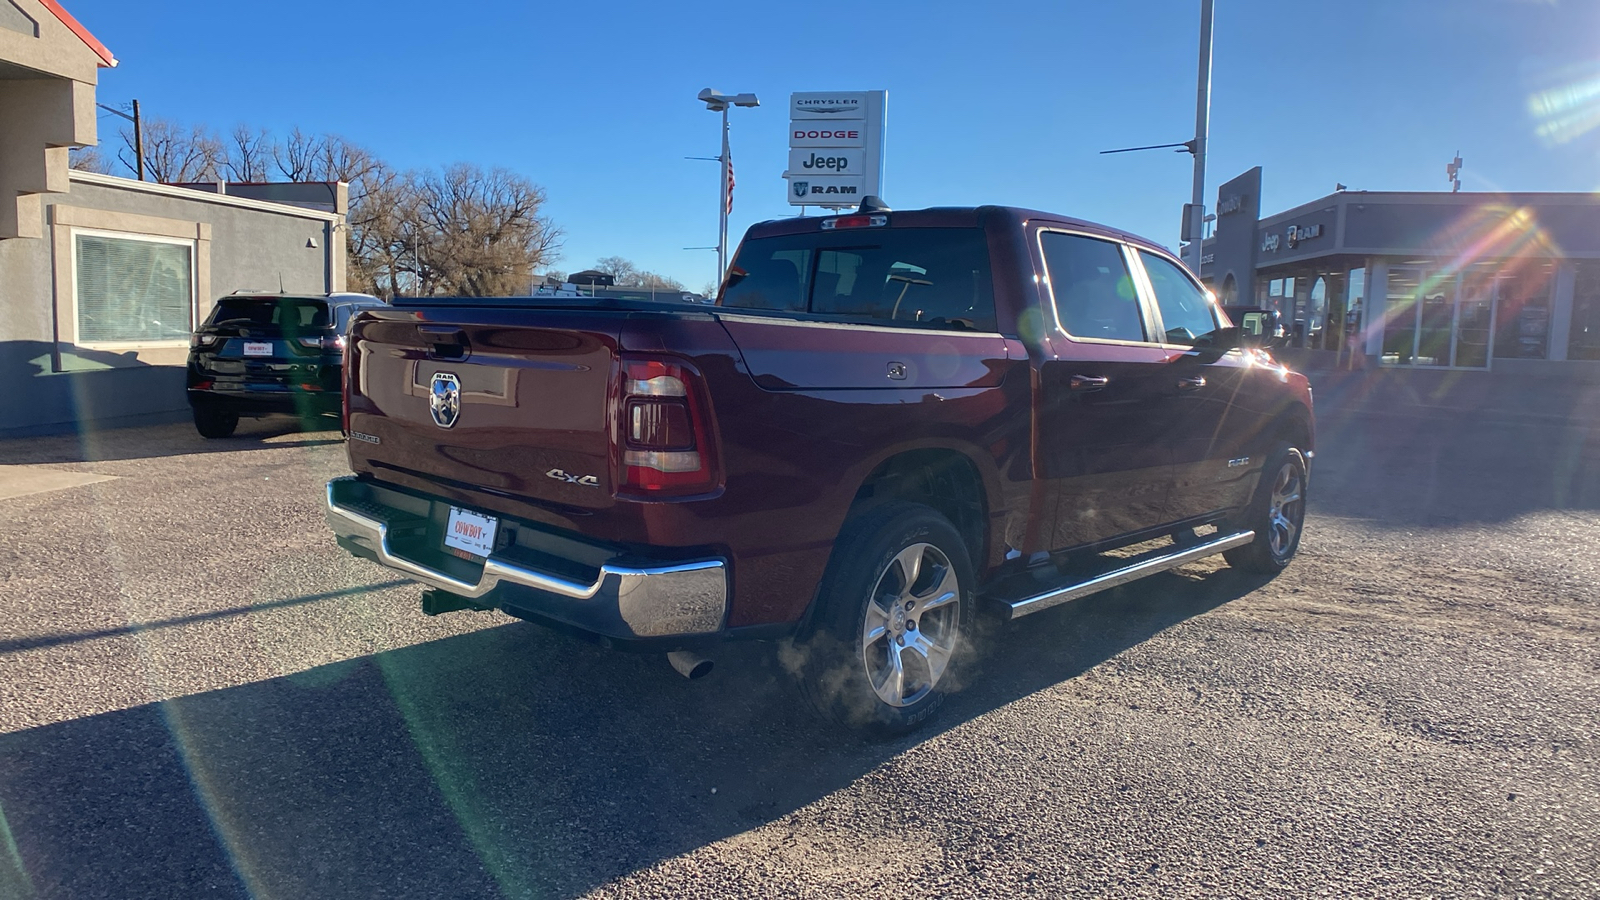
[
  {"x": 1194, "y": 212},
  {"x": 1202, "y": 133},
  {"x": 717, "y": 102}
]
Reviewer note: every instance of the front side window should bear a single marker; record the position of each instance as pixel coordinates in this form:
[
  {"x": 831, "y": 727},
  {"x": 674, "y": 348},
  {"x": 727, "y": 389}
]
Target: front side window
[
  {"x": 1186, "y": 313},
  {"x": 907, "y": 277},
  {"x": 1094, "y": 294},
  {"x": 133, "y": 290}
]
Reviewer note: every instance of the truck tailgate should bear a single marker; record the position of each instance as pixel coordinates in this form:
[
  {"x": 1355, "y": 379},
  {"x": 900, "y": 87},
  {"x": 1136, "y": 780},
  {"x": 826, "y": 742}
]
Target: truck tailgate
[{"x": 508, "y": 400}]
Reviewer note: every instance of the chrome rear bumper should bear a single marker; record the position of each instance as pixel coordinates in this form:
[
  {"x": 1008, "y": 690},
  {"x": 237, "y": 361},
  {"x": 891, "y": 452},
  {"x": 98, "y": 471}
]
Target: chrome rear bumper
[{"x": 624, "y": 601}]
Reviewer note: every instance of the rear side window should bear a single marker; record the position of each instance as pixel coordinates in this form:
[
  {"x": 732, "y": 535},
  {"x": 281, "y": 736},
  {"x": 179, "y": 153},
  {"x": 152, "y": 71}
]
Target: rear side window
[
  {"x": 1186, "y": 313},
  {"x": 261, "y": 311},
  {"x": 910, "y": 277},
  {"x": 1093, "y": 291}
]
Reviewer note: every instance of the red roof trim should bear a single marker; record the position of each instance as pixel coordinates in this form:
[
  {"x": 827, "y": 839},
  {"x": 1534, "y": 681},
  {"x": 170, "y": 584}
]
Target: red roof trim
[{"x": 100, "y": 50}]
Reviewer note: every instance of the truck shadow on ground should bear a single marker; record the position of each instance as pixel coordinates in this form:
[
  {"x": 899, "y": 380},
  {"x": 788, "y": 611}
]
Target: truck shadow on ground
[{"x": 507, "y": 762}]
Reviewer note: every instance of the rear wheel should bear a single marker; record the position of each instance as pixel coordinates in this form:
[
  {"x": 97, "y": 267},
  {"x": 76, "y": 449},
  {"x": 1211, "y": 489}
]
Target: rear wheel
[
  {"x": 889, "y": 621},
  {"x": 214, "y": 423},
  {"x": 1277, "y": 514}
]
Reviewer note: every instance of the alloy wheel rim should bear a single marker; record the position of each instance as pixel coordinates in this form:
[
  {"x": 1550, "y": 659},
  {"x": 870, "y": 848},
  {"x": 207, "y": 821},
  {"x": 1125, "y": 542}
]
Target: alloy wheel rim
[
  {"x": 1287, "y": 510},
  {"x": 911, "y": 625}
]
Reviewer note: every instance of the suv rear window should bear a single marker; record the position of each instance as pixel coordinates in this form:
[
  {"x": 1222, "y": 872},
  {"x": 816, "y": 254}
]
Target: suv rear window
[
  {"x": 297, "y": 313},
  {"x": 910, "y": 277}
]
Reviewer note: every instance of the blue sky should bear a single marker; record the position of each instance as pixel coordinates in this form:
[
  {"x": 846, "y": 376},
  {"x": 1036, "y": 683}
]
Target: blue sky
[{"x": 999, "y": 102}]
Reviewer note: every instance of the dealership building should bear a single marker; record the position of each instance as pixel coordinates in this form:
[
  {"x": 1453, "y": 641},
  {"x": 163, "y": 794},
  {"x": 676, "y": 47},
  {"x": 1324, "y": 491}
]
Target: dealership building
[
  {"x": 103, "y": 278},
  {"x": 1505, "y": 282}
]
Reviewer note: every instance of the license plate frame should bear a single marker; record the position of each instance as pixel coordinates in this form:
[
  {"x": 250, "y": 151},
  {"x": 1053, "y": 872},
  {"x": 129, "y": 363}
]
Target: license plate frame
[
  {"x": 257, "y": 348},
  {"x": 470, "y": 531}
]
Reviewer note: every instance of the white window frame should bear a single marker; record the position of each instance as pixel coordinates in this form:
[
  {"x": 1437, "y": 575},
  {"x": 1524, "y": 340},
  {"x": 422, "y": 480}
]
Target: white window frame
[{"x": 194, "y": 253}]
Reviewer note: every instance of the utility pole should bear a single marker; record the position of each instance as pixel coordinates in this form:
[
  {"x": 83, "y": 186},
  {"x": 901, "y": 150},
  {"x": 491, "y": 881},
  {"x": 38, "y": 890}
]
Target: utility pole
[
  {"x": 138, "y": 133},
  {"x": 1202, "y": 133}
]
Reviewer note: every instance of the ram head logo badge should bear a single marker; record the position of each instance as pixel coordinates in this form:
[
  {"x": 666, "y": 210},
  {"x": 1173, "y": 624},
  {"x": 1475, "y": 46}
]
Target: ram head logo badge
[{"x": 444, "y": 399}]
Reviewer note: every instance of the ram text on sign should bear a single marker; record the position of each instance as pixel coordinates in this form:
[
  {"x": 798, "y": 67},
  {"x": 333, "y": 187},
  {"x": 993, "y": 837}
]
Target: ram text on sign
[
  {"x": 824, "y": 161},
  {"x": 826, "y": 190}
]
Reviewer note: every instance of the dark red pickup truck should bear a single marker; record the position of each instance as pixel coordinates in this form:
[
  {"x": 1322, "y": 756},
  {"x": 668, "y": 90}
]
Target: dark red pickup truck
[{"x": 889, "y": 422}]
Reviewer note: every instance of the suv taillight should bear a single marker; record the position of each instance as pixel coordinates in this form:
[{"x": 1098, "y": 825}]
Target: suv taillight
[
  {"x": 329, "y": 342},
  {"x": 664, "y": 432}
]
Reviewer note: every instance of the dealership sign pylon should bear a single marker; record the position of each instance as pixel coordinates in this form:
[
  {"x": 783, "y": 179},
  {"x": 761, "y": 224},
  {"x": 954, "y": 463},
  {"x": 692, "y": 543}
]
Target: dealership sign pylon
[{"x": 835, "y": 147}]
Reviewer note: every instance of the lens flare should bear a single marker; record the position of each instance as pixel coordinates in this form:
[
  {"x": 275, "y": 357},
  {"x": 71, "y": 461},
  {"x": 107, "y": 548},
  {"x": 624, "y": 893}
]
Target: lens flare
[{"x": 1568, "y": 111}]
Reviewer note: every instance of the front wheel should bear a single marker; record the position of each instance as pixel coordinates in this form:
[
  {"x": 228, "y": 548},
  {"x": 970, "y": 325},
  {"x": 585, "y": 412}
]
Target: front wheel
[
  {"x": 889, "y": 621},
  {"x": 1277, "y": 514}
]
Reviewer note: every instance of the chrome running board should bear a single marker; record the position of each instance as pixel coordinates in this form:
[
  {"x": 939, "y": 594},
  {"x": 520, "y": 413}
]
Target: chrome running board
[{"x": 1116, "y": 577}]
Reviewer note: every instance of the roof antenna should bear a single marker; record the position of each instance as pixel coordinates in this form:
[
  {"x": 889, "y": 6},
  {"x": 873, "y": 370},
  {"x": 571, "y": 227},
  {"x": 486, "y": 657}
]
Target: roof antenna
[
  {"x": 280, "y": 282},
  {"x": 872, "y": 203}
]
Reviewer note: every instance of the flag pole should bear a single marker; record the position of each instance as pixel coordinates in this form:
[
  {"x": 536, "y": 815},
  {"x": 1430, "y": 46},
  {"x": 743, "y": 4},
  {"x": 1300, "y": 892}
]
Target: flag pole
[{"x": 722, "y": 228}]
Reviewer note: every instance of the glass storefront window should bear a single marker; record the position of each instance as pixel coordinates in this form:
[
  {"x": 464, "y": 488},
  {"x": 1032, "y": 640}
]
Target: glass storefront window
[
  {"x": 1400, "y": 316},
  {"x": 1522, "y": 321},
  {"x": 1584, "y": 339},
  {"x": 1355, "y": 302},
  {"x": 1316, "y": 312}
]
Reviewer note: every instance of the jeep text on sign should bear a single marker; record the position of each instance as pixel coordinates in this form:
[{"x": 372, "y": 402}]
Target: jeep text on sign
[{"x": 810, "y": 161}]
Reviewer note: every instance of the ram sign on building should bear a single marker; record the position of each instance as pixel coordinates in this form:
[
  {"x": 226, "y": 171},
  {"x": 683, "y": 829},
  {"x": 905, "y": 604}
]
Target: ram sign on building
[{"x": 102, "y": 278}]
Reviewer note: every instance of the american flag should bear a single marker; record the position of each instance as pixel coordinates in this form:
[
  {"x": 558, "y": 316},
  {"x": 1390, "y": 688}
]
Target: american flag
[{"x": 730, "y": 183}]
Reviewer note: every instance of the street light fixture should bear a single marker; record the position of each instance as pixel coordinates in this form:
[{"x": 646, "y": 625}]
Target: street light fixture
[{"x": 719, "y": 102}]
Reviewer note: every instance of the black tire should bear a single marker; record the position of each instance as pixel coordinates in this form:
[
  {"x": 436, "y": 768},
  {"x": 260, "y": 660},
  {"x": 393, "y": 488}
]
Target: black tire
[
  {"x": 833, "y": 661},
  {"x": 215, "y": 423},
  {"x": 1276, "y": 541}
]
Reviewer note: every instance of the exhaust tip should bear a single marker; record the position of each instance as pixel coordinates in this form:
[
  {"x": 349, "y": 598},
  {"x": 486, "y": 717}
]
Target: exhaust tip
[{"x": 690, "y": 665}]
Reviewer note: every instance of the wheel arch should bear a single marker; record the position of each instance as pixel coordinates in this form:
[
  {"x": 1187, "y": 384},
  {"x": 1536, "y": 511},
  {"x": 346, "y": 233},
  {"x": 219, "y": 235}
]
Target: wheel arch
[{"x": 951, "y": 480}]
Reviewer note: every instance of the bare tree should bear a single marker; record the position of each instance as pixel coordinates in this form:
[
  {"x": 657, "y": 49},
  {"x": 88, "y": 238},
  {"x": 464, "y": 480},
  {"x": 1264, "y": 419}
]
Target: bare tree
[
  {"x": 173, "y": 154},
  {"x": 89, "y": 159},
  {"x": 622, "y": 271},
  {"x": 626, "y": 274},
  {"x": 296, "y": 155},
  {"x": 247, "y": 154},
  {"x": 483, "y": 232}
]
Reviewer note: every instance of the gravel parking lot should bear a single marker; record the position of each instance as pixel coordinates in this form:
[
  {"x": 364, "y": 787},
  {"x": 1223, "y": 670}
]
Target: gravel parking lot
[{"x": 200, "y": 695}]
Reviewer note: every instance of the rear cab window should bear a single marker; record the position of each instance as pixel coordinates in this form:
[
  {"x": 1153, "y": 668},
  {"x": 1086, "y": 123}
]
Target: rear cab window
[
  {"x": 1094, "y": 293},
  {"x": 295, "y": 313},
  {"x": 936, "y": 278}
]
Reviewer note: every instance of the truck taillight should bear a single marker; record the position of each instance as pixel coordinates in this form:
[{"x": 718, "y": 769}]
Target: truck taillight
[
  {"x": 666, "y": 441},
  {"x": 344, "y": 392}
]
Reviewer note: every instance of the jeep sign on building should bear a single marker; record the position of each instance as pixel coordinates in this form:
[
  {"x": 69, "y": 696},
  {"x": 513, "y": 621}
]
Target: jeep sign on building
[{"x": 835, "y": 147}]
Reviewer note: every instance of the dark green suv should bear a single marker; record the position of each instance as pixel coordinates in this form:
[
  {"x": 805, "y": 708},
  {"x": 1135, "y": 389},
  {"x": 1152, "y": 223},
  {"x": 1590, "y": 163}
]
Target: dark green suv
[{"x": 259, "y": 354}]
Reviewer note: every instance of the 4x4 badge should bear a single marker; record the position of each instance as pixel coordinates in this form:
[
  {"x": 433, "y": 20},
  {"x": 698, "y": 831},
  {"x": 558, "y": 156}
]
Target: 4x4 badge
[
  {"x": 563, "y": 475},
  {"x": 444, "y": 399}
]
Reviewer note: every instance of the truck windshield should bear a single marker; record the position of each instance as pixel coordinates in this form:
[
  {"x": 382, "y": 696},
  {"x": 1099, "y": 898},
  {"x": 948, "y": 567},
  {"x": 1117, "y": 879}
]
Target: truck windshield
[{"x": 909, "y": 277}]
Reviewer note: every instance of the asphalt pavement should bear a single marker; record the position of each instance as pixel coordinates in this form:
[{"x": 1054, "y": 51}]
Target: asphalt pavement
[{"x": 202, "y": 696}]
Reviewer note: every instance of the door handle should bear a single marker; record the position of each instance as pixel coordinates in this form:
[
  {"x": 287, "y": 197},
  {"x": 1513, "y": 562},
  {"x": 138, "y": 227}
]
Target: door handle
[
  {"x": 1192, "y": 383},
  {"x": 1083, "y": 384}
]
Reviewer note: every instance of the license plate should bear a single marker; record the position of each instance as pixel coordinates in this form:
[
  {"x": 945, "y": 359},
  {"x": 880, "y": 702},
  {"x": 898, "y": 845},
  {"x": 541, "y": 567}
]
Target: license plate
[
  {"x": 470, "y": 531},
  {"x": 257, "y": 348}
]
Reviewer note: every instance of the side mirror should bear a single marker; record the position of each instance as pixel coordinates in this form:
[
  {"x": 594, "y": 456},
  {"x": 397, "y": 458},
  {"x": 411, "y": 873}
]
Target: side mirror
[{"x": 1224, "y": 339}]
